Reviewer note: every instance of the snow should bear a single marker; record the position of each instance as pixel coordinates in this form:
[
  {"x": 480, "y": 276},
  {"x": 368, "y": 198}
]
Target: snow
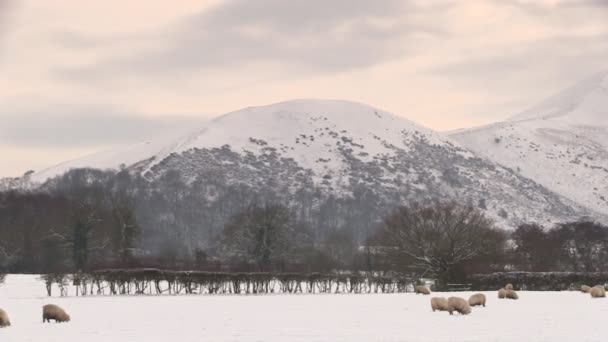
[
  {"x": 561, "y": 143},
  {"x": 582, "y": 104},
  {"x": 282, "y": 123},
  {"x": 305, "y": 130},
  {"x": 537, "y": 316},
  {"x": 107, "y": 160}
]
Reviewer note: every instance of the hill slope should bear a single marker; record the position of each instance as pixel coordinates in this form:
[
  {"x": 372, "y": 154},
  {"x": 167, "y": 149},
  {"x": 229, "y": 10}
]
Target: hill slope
[
  {"x": 561, "y": 143},
  {"x": 341, "y": 149}
]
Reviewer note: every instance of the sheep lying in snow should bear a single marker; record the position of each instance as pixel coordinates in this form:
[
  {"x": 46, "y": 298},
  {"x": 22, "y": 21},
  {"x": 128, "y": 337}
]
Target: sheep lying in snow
[
  {"x": 502, "y": 294},
  {"x": 439, "y": 304},
  {"x": 4, "y": 321},
  {"x": 509, "y": 287},
  {"x": 585, "y": 289},
  {"x": 423, "y": 290},
  {"x": 510, "y": 294},
  {"x": 478, "y": 299},
  {"x": 459, "y": 305},
  {"x": 597, "y": 292},
  {"x": 53, "y": 312}
]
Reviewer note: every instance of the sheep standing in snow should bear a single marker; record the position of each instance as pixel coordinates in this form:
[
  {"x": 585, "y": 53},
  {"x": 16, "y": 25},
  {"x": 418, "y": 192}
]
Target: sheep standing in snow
[
  {"x": 4, "y": 321},
  {"x": 502, "y": 294},
  {"x": 597, "y": 292},
  {"x": 53, "y": 312},
  {"x": 509, "y": 287},
  {"x": 585, "y": 289},
  {"x": 459, "y": 305},
  {"x": 478, "y": 299},
  {"x": 439, "y": 304},
  {"x": 510, "y": 294},
  {"x": 423, "y": 290}
]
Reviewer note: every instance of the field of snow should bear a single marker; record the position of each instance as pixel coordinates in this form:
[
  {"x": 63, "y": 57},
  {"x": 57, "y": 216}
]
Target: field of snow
[{"x": 537, "y": 316}]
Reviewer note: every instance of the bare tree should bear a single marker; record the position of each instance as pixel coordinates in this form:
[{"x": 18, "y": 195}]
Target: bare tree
[
  {"x": 439, "y": 240},
  {"x": 265, "y": 235},
  {"x": 80, "y": 236},
  {"x": 583, "y": 246},
  {"x": 535, "y": 249},
  {"x": 125, "y": 228}
]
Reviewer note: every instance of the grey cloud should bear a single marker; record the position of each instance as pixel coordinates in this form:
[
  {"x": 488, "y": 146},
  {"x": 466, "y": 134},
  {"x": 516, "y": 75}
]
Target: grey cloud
[
  {"x": 581, "y": 55},
  {"x": 86, "y": 126},
  {"x": 542, "y": 10},
  {"x": 7, "y": 7},
  {"x": 586, "y": 3},
  {"x": 301, "y": 35},
  {"x": 77, "y": 40},
  {"x": 527, "y": 73}
]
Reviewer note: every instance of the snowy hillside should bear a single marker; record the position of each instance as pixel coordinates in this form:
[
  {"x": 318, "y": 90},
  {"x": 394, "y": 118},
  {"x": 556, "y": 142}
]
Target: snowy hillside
[
  {"x": 343, "y": 149},
  {"x": 314, "y": 133},
  {"x": 112, "y": 159},
  {"x": 583, "y": 104},
  {"x": 561, "y": 143}
]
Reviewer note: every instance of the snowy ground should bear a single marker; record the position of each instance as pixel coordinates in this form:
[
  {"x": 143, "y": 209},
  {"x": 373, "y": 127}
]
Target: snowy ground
[{"x": 546, "y": 316}]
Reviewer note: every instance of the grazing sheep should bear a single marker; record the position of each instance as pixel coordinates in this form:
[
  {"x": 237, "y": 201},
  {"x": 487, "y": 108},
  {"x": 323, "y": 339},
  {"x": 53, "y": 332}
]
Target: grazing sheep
[
  {"x": 585, "y": 289},
  {"x": 53, "y": 312},
  {"x": 597, "y": 292},
  {"x": 478, "y": 299},
  {"x": 509, "y": 287},
  {"x": 439, "y": 304},
  {"x": 459, "y": 305},
  {"x": 423, "y": 290},
  {"x": 511, "y": 294},
  {"x": 502, "y": 294},
  {"x": 4, "y": 321}
]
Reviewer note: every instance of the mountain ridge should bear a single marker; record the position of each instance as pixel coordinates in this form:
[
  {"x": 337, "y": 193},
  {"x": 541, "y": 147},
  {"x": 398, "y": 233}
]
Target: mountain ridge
[
  {"x": 343, "y": 149},
  {"x": 561, "y": 143},
  {"x": 585, "y": 100}
]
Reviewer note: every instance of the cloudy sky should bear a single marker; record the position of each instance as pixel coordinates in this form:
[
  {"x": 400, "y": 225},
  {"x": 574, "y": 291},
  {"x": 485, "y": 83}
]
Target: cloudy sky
[{"x": 79, "y": 76}]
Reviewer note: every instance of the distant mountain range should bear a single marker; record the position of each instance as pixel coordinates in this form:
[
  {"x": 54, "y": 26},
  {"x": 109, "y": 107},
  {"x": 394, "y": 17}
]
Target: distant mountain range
[{"x": 548, "y": 164}]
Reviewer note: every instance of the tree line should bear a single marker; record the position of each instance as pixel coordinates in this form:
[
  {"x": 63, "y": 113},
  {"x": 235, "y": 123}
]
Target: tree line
[
  {"x": 87, "y": 220},
  {"x": 158, "y": 282}
]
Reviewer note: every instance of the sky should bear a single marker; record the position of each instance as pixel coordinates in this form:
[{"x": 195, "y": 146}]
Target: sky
[{"x": 80, "y": 76}]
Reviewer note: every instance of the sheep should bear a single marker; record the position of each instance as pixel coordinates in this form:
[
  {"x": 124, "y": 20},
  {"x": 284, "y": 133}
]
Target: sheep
[
  {"x": 459, "y": 305},
  {"x": 478, "y": 299},
  {"x": 439, "y": 304},
  {"x": 4, "y": 321},
  {"x": 585, "y": 289},
  {"x": 423, "y": 290},
  {"x": 510, "y": 294},
  {"x": 597, "y": 292},
  {"x": 502, "y": 293},
  {"x": 509, "y": 287},
  {"x": 53, "y": 312}
]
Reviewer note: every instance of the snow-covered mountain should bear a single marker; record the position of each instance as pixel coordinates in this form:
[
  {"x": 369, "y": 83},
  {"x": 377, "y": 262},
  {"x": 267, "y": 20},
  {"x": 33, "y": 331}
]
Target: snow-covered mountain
[
  {"x": 562, "y": 143},
  {"x": 343, "y": 149}
]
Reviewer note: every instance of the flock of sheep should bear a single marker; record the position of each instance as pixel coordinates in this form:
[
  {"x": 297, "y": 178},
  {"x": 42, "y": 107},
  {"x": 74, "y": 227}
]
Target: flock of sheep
[
  {"x": 463, "y": 307},
  {"x": 49, "y": 312},
  {"x": 597, "y": 291}
]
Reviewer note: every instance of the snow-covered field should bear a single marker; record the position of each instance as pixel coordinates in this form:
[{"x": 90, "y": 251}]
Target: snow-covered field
[{"x": 540, "y": 316}]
